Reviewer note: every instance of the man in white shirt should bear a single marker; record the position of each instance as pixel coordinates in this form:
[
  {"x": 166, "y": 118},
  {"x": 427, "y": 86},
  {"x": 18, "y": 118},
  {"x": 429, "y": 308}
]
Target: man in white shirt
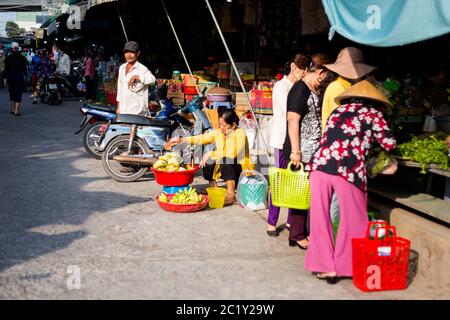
[
  {"x": 133, "y": 82},
  {"x": 63, "y": 66}
]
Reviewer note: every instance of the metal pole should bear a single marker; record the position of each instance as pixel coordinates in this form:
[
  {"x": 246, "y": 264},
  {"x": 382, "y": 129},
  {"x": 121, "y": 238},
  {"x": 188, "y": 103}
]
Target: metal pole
[
  {"x": 121, "y": 22},
  {"x": 237, "y": 74},
  {"x": 181, "y": 48}
]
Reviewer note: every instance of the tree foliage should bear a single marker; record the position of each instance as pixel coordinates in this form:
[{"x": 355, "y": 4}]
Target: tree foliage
[{"x": 12, "y": 29}]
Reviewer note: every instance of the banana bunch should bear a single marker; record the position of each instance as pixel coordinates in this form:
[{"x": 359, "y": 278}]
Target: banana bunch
[
  {"x": 187, "y": 196},
  {"x": 171, "y": 162}
]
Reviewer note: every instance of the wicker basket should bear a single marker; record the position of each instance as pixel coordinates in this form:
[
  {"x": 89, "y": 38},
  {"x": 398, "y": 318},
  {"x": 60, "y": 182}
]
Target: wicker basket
[{"x": 182, "y": 208}]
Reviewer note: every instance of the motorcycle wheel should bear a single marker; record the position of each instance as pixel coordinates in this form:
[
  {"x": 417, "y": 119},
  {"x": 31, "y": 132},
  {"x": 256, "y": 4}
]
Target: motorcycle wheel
[
  {"x": 44, "y": 97},
  {"x": 91, "y": 136},
  {"x": 123, "y": 172}
]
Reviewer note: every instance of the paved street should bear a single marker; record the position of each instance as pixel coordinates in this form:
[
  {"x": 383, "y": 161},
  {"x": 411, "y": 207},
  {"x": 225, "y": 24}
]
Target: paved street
[{"x": 60, "y": 214}]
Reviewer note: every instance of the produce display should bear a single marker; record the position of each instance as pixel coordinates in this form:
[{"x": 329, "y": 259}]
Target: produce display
[
  {"x": 187, "y": 196},
  {"x": 171, "y": 162},
  {"x": 425, "y": 150}
]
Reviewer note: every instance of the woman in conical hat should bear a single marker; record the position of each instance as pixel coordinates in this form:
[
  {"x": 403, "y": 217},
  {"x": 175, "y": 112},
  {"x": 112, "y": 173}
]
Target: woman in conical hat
[{"x": 339, "y": 165}]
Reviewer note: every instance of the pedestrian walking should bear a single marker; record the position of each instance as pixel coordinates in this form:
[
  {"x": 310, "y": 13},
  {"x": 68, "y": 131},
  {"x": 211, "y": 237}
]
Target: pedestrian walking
[
  {"x": 89, "y": 75},
  {"x": 16, "y": 72}
]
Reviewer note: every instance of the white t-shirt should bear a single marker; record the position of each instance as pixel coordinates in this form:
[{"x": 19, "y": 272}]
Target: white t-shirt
[
  {"x": 280, "y": 93},
  {"x": 134, "y": 100},
  {"x": 63, "y": 66}
]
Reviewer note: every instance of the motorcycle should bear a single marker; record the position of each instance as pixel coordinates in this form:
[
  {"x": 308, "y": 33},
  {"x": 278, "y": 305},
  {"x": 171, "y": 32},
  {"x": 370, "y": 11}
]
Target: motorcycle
[
  {"x": 67, "y": 87},
  {"x": 144, "y": 138},
  {"x": 47, "y": 91},
  {"x": 94, "y": 126}
]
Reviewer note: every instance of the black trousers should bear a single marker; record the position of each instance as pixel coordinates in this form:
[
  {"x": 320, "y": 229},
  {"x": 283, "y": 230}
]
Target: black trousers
[
  {"x": 229, "y": 169},
  {"x": 90, "y": 88}
]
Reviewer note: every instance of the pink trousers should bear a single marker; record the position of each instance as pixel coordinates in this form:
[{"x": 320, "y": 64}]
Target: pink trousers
[{"x": 323, "y": 255}]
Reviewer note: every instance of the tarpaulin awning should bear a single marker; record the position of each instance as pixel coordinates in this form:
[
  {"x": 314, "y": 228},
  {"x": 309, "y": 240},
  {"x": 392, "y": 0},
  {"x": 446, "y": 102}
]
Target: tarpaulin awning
[
  {"x": 96, "y": 2},
  {"x": 385, "y": 23}
]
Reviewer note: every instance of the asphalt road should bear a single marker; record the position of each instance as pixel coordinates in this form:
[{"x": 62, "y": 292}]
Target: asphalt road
[{"x": 68, "y": 231}]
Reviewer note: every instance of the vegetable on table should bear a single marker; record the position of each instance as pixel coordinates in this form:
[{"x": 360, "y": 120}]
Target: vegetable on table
[{"x": 425, "y": 150}]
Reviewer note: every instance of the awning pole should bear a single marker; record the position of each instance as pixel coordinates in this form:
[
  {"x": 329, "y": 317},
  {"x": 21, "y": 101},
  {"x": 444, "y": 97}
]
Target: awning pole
[
  {"x": 238, "y": 76},
  {"x": 121, "y": 22},
  {"x": 181, "y": 48}
]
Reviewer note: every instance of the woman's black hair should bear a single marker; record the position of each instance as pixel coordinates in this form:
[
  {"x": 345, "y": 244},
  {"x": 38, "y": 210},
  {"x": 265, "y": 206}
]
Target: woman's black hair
[
  {"x": 230, "y": 117},
  {"x": 302, "y": 61}
]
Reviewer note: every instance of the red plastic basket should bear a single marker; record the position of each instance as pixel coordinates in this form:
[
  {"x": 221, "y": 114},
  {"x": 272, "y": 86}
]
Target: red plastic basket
[
  {"x": 380, "y": 264},
  {"x": 175, "y": 179},
  {"x": 182, "y": 208}
]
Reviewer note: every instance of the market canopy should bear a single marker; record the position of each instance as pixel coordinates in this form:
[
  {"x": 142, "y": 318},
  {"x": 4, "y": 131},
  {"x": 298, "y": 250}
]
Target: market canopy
[{"x": 385, "y": 23}]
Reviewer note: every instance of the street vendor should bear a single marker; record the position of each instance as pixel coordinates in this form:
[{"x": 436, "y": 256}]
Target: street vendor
[
  {"x": 230, "y": 157},
  {"x": 133, "y": 82}
]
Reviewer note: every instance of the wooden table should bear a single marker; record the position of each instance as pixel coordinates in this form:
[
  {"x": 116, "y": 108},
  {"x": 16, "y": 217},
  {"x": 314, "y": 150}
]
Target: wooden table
[{"x": 434, "y": 169}]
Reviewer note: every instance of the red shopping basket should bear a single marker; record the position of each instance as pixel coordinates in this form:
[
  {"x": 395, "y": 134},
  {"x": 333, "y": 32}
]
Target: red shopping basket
[{"x": 380, "y": 263}]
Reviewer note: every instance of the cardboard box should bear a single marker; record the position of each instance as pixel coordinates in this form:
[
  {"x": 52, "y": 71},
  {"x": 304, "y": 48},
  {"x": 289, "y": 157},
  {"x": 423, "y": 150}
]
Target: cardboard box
[
  {"x": 213, "y": 117},
  {"x": 241, "y": 102},
  {"x": 262, "y": 101},
  {"x": 177, "y": 98}
]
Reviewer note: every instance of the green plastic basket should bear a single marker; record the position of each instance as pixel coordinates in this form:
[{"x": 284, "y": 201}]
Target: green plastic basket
[{"x": 290, "y": 189}]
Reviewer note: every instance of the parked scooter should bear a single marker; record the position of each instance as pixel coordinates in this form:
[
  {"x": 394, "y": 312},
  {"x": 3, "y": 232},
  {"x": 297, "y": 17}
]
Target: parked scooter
[
  {"x": 94, "y": 126},
  {"x": 67, "y": 86},
  {"x": 143, "y": 137}
]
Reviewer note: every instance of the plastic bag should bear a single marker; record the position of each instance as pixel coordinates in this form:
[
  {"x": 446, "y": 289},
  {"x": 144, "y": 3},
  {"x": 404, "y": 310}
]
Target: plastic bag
[
  {"x": 252, "y": 190},
  {"x": 81, "y": 86},
  {"x": 383, "y": 163},
  {"x": 249, "y": 126}
]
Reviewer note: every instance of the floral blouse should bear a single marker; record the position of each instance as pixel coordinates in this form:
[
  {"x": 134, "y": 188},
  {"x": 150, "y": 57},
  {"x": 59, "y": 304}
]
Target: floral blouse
[{"x": 351, "y": 130}]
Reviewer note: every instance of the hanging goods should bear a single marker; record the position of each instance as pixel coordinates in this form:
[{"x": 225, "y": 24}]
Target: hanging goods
[{"x": 289, "y": 188}]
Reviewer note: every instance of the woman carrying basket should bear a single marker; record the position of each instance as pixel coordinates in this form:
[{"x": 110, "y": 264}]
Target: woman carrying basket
[
  {"x": 339, "y": 165},
  {"x": 304, "y": 132},
  {"x": 296, "y": 68}
]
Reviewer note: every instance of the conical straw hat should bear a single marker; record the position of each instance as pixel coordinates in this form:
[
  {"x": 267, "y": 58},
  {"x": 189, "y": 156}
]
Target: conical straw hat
[
  {"x": 350, "y": 64},
  {"x": 364, "y": 89}
]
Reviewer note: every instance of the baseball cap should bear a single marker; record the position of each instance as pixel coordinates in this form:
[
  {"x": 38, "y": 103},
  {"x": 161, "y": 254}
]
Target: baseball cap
[
  {"x": 131, "y": 46},
  {"x": 14, "y": 45}
]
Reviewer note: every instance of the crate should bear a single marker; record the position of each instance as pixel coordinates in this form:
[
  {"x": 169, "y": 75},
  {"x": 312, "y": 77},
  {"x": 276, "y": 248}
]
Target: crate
[
  {"x": 190, "y": 90},
  {"x": 187, "y": 81},
  {"x": 241, "y": 101},
  {"x": 207, "y": 85},
  {"x": 261, "y": 101}
]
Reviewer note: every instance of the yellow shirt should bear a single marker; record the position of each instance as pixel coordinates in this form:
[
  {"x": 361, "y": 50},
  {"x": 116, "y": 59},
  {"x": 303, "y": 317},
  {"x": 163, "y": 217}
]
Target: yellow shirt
[
  {"x": 233, "y": 146},
  {"x": 334, "y": 89}
]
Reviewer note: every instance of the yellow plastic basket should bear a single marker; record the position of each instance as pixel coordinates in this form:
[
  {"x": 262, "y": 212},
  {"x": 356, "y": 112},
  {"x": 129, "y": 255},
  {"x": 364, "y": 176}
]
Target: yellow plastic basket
[{"x": 290, "y": 189}]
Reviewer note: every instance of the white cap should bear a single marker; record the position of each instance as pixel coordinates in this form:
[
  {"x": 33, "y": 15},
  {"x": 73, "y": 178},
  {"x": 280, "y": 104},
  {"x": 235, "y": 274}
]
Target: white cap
[{"x": 14, "y": 45}]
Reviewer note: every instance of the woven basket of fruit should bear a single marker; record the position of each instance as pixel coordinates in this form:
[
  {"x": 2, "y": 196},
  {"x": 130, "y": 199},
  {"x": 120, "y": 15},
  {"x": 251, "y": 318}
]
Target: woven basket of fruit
[
  {"x": 185, "y": 201},
  {"x": 170, "y": 171}
]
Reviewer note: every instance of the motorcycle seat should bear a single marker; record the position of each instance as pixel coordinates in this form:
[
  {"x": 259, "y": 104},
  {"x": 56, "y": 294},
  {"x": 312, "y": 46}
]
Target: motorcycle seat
[
  {"x": 141, "y": 120},
  {"x": 101, "y": 108}
]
